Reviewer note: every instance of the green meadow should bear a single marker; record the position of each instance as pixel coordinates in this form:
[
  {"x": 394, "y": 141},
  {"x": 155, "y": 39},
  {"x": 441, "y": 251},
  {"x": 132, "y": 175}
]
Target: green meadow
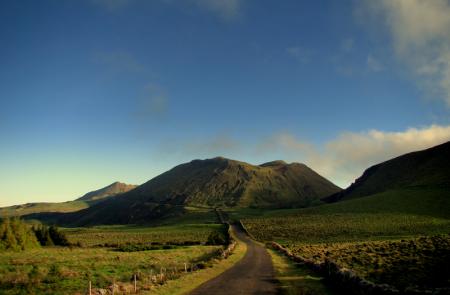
[
  {"x": 396, "y": 237},
  {"x": 58, "y": 270},
  {"x": 113, "y": 236},
  {"x": 107, "y": 255}
]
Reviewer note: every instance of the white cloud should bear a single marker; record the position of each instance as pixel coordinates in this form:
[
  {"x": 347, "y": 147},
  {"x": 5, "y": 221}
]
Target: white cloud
[
  {"x": 344, "y": 158},
  {"x": 341, "y": 159},
  {"x": 420, "y": 31},
  {"x": 301, "y": 54}
]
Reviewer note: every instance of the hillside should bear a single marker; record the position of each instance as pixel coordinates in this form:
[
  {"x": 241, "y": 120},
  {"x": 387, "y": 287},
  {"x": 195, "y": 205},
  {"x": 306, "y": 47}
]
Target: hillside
[
  {"x": 108, "y": 191},
  {"x": 30, "y": 208},
  {"x": 423, "y": 169},
  {"x": 217, "y": 182},
  {"x": 83, "y": 202}
]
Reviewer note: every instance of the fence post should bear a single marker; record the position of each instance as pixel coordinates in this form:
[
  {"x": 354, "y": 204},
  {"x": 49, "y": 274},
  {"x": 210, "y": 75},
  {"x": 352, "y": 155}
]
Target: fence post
[
  {"x": 90, "y": 288},
  {"x": 113, "y": 286},
  {"x": 135, "y": 286},
  {"x": 185, "y": 267}
]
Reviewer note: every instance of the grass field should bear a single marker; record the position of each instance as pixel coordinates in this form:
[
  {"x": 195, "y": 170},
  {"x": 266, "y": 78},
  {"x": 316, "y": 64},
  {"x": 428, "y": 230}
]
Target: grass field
[
  {"x": 67, "y": 271},
  {"x": 423, "y": 261},
  {"x": 192, "y": 215},
  {"x": 113, "y": 236},
  {"x": 305, "y": 229},
  {"x": 380, "y": 237},
  {"x": 102, "y": 259},
  {"x": 389, "y": 215},
  {"x": 191, "y": 281}
]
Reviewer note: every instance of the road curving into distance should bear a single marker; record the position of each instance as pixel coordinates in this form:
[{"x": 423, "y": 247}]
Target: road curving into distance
[{"x": 253, "y": 274}]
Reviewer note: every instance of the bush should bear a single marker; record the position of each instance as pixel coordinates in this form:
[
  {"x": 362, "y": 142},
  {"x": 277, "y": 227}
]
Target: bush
[
  {"x": 58, "y": 237},
  {"x": 217, "y": 238},
  {"x": 50, "y": 236},
  {"x": 16, "y": 235}
]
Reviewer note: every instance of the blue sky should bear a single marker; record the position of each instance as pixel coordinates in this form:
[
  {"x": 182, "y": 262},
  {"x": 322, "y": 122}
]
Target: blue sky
[{"x": 95, "y": 91}]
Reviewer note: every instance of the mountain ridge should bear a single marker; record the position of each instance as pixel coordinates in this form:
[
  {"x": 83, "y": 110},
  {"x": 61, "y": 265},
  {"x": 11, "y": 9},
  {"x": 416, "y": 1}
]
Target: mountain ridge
[
  {"x": 80, "y": 203},
  {"x": 425, "y": 168},
  {"x": 215, "y": 182}
]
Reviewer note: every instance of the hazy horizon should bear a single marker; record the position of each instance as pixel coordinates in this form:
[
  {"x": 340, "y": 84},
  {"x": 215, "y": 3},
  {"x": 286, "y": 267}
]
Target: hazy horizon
[{"x": 97, "y": 91}]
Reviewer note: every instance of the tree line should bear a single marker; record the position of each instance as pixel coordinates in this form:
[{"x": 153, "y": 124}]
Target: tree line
[{"x": 16, "y": 235}]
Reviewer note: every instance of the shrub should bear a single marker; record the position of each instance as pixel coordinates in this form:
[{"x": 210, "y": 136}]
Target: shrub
[
  {"x": 217, "y": 238},
  {"x": 49, "y": 236},
  {"x": 16, "y": 235}
]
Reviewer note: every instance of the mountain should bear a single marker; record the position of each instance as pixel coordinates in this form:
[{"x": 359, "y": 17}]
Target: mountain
[
  {"x": 217, "y": 182},
  {"x": 427, "y": 169},
  {"x": 108, "y": 191},
  {"x": 84, "y": 202}
]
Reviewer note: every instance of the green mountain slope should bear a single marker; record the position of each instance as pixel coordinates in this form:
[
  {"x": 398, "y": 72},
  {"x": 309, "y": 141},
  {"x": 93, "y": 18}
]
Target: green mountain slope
[
  {"x": 217, "y": 182},
  {"x": 394, "y": 214},
  {"x": 433, "y": 202},
  {"x": 405, "y": 197},
  {"x": 429, "y": 168},
  {"x": 84, "y": 202}
]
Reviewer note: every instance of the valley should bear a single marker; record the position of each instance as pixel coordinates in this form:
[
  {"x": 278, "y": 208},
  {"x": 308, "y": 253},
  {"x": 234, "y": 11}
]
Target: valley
[{"x": 167, "y": 234}]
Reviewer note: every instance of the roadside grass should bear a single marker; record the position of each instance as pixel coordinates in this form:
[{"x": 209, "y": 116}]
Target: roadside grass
[
  {"x": 67, "y": 271},
  {"x": 422, "y": 262},
  {"x": 189, "y": 282},
  {"x": 394, "y": 237},
  {"x": 297, "y": 279}
]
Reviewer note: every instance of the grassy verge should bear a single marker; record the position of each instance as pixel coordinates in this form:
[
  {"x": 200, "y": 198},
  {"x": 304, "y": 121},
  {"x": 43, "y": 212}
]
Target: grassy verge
[
  {"x": 297, "y": 279},
  {"x": 191, "y": 281}
]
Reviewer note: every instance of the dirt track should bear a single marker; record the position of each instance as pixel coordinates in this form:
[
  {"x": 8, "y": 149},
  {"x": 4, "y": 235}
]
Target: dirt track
[{"x": 253, "y": 274}]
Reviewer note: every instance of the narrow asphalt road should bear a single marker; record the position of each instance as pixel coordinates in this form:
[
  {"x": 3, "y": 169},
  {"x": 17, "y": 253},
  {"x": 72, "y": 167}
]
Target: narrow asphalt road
[{"x": 253, "y": 274}]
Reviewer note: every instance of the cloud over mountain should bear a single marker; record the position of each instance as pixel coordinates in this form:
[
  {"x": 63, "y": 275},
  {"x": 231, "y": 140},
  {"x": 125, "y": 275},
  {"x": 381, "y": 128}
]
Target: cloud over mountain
[
  {"x": 419, "y": 31},
  {"x": 343, "y": 158}
]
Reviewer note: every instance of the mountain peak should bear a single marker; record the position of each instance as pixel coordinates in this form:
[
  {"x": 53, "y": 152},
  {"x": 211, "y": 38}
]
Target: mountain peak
[
  {"x": 113, "y": 189},
  {"x": 214, "y": 182},
  {"x": 274, "y": 163}
]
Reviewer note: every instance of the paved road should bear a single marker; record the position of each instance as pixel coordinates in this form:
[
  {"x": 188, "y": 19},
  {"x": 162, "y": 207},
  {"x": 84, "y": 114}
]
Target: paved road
[{"x": 253, "y": 274}]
